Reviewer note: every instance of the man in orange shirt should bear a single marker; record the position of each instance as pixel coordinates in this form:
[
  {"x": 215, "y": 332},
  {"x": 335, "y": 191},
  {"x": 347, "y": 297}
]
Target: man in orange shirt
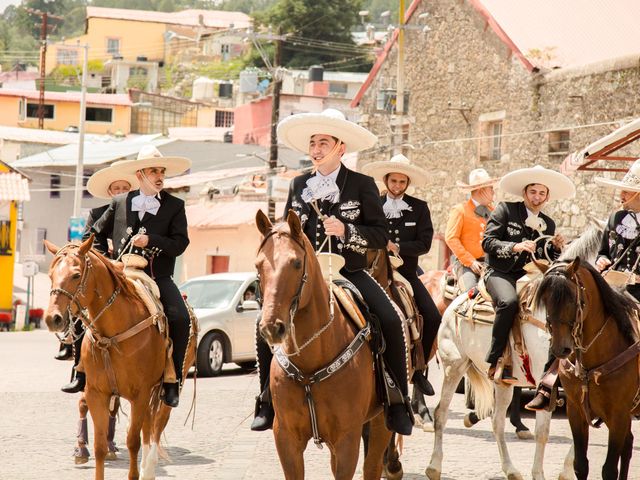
[{"x": 466, "y": 226}]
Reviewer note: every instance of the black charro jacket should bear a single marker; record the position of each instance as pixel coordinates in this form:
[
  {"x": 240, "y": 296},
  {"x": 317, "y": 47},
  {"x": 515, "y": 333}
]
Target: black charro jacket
[
  {"x": 358, "y": 207},
  {"x": 94, "y": 215},
  {"x": 412, "y": 232},
  {"x": 505, "y": 228},
  {"x": 167, "y": 231},
  {"x": 616, "y": 247}
]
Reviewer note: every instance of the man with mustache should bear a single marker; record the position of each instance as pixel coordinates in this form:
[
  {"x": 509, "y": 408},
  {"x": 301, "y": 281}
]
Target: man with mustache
[{"x": 153, "y": 223}]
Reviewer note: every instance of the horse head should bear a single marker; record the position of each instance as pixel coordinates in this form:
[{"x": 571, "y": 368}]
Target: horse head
[
  {"x": 560, "y": 294},
  {"x": 285, "y": 262},
  {"x": 69, "y": 277}
]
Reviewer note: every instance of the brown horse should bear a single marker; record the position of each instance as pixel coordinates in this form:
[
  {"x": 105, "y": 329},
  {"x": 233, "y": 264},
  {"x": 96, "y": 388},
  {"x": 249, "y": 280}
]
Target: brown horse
[
  {"x": 312, "y": 334},
  {"x": 121, "y": 334},
  {"x": 594, "y": 331}
]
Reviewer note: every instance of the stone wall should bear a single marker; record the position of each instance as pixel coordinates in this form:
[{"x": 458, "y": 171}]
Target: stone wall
[{"x": 461, "y": 73}]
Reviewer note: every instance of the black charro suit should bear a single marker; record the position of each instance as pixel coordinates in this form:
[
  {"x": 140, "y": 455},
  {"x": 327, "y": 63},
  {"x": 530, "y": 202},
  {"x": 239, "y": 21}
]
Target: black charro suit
[
  {"x": 94, "y": 215},
  {"x": 168, "y": 239},
  {"x": 359, "y": 208},
  {"x": 413, "y": 233},
  {"x": 505, "y": 228}
]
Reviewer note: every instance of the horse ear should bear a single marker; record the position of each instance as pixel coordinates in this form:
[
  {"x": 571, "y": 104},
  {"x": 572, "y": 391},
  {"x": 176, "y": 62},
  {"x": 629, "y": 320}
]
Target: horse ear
[
  {"x": 51, "y": 247},
  {"x": 263, "y": 223},
  {"x": 86, "y": 245},
  {"x": 573, "y": 266},
  {"x": 543, "y": 267},
  {"x": 294, "y": 224}
]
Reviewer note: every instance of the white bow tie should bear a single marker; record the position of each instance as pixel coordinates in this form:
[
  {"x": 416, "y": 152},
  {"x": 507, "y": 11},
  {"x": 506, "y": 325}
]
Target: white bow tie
[
  {"x": 393, "y": 207},
  {"x": 321, "y": 188},
  {"x": 143, "y": 203}
]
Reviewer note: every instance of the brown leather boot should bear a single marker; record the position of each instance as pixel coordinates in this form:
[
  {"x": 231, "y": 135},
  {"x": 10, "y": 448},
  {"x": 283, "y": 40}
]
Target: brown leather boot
[{"x": 541, "y": 401}]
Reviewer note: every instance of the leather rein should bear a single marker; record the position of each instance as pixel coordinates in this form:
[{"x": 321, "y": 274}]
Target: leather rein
[
  {"x": 99, "y": 341},
  {"x": 588, "y": 375}
]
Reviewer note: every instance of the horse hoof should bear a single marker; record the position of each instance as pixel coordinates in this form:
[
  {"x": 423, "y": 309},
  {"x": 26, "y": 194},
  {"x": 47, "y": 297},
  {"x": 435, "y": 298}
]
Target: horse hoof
[
  {"x": 418, "y": 419},
  {"x": 111, "y": 456},
  {"x": 515, "y": 476},
  {"x": 397, "y": 475},
  {"x": 428, "y": 427},
  {"x": 524, "y": 434},
  {"x": 80, "y": 460},
  {"x": 432, "y": 473}
]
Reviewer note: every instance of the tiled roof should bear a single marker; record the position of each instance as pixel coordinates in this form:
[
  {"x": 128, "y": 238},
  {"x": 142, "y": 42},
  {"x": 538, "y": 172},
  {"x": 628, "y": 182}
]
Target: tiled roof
[
  {"x": 92, "y": 98},
  {"x": 14, "y": 186},
  {"x": 210, "y": 18},
  {"x": 226, "y": 214}
]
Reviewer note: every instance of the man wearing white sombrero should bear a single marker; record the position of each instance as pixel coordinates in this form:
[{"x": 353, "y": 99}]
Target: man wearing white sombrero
[
  {"x": 342, "y": 207},
  {"x": 510, "y": 240},
  {"x": 411, "y": 234},
  {"x": 105, "y": 183},
  {"x": 154, "y": 223},
  {"x": 620, "y": 239},
  {"x": 466, "y": 225}
]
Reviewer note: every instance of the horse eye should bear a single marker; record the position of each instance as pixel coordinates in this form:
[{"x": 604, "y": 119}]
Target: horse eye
[
  {"x": 297, "y": 264},
  {"x": 76, "y": 276}
]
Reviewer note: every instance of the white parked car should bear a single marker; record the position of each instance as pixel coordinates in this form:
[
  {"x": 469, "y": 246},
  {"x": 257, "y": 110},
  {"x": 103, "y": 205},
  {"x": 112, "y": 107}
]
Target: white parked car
[{"x": 227, "y": 310}]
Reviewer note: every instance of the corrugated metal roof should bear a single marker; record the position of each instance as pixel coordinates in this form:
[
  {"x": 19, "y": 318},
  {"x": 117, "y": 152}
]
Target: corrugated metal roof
[
  {"x": 96, "y": 152},
  {"x": 210, "y": 18},
  {"x": 14, "y": 187},
  {"x": 203, "y": 177},
  {"x": 92, "y": 98},
  {"x": 53, "y": 137}
]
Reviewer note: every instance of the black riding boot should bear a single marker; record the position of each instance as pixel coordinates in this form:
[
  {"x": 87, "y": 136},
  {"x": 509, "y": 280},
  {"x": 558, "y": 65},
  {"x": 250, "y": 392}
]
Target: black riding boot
[
  {"x": 65, "y": 352},
  {"x": 264, "y": 413},
  {"x": 171, "y": 396},
  {"x": 77, "y": 383}
]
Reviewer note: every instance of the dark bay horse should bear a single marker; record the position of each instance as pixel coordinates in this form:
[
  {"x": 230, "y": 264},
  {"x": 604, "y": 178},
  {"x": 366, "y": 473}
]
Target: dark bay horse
[
  {"x": 123, "y": 351},
  {"x": 594, "y": 331},
  {"x": 313, "y": 334}
]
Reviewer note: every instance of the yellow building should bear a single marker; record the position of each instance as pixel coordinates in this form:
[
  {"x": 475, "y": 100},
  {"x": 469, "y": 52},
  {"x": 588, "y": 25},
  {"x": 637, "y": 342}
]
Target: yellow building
[
  {"x": 14, "y": 188},
  {"x": 105, "y": 113},
  {"x": 135, "y": 34}
]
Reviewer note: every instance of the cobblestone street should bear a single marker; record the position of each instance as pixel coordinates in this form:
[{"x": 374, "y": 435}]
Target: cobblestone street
[{"x": 38, "y": 425}]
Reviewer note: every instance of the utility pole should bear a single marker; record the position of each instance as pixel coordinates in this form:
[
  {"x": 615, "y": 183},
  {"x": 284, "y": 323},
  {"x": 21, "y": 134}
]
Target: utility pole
[
  {"x": 83, "y": 107},
  {"x": 399, "y": 120},
  {"x": 275, "y": 116},
  {"x": 44, "y": 30}
]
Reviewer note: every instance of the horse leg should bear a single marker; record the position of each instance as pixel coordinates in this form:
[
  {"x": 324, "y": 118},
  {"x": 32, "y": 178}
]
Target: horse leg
[
  {"x": 452, "y": 375},
  {"x": 139, "y": 408},
  {"x": 290, "y": 449},
  {"x": 543, "y": 422},
  {"x": 344, "y": 456},
  {"x": 619, "y": 432},
  {"x": 503, "y": 396},
  {"x": 81, "y": 452},
  {"x": 381, "y": 445},
  {"x": 625, "y": 459},
  {"x": 99, "y": 407},
  {"x": 421, "y": 411},
  {"x": 580, "y": 432},
  {"x": 567, "y": 468},
  {"x": 522, "y": 432},
  {"x": 111, "y": 444}
]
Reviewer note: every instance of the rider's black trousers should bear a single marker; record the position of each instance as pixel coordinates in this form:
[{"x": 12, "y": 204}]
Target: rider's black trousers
[
  {"x": 502, "y": 288},
  {"x": 178, "y": 318}
]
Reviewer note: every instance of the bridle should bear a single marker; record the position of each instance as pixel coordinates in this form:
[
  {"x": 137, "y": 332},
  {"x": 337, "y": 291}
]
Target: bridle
[
  {"x": 295, "y": 301},
  {"x": 81, "y": 311}
]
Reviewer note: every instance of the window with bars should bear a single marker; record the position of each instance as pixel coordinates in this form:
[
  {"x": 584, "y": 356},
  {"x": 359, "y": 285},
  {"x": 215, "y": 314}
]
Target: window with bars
[
  {"x": 113, "y": 45},
  {"x": 49, "y": 110},
  {"x": 99, "y": 114},
  {"x": 559, "y": 142},
  {"x": 67, "y": 56},
  {"x": 490, "y": 145},
  {"x": 223, "y": 118}
]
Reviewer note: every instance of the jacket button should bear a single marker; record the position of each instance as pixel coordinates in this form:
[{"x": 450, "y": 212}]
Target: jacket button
[
  {"x": 397, "y": 239},
  {"x": 397, "y": 231}
]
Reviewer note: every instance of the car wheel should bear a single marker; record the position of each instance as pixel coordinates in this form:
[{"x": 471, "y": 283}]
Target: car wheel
[
  {"x": 211, "y": 355},
  {"x": 247, "y": 365}
]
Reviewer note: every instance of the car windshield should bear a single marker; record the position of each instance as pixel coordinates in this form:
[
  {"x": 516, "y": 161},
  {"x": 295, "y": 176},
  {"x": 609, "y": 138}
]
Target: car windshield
[{"x": 210, "y": 293}]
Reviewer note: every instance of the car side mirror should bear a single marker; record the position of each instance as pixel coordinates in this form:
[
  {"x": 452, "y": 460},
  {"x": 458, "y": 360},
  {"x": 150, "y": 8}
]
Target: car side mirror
[{"x": 248, "y": 305}]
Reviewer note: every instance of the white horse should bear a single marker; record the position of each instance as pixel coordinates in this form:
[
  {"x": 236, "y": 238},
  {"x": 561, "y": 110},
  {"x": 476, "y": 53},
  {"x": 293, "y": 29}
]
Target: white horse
[{"x": 462, "y": 347}]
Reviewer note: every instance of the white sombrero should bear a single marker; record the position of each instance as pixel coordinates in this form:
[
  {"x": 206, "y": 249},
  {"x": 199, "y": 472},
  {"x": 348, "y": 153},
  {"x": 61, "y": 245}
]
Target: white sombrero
[
  {"x": 478, "y": 178},
  {"x": 99, "y": 183},
  {"x": 630, "y": 182},
  {"x": 296, "y": 130},
  {"x": 149, "y": 156},
  {"x": 398, "y": 164},
  {"x": 558, "y": 184}
]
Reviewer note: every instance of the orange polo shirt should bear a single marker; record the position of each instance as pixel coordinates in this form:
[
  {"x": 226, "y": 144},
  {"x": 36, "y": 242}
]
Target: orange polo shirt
[{"x": 464, "y": 232}]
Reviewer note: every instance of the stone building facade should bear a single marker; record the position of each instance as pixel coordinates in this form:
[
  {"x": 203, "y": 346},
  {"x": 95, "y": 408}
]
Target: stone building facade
[{"x": 476, "y": 101}]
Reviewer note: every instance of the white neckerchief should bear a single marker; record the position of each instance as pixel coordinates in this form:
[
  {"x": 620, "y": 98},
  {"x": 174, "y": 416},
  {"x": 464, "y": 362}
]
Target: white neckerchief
[
  {"x": 322, "y": 187},
  {"x": 393, "y": 207},
  {"x": 535, "y": 222},
  {"x": 628, "y": 227},
  {"x": 142, "y": 203}
]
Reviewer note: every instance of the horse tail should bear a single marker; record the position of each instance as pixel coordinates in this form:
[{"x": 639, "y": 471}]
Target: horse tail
[{"x": 482, "y": 391}]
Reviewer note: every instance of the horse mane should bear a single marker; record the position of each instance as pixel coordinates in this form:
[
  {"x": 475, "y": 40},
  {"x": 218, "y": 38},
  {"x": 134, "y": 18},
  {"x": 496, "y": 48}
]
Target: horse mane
[
  {"x": 118, "y": 277},
  {"x": 586, "y": 246},
  {"x": 617, "y": 304}
]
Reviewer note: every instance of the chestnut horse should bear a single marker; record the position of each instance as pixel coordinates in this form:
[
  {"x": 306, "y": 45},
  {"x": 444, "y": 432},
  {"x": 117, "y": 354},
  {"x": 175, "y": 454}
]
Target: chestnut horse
[
  {"x": 121, "y": 334},
  {"x": 594, "y": 331},
  {"x": 312, "y": 333}
]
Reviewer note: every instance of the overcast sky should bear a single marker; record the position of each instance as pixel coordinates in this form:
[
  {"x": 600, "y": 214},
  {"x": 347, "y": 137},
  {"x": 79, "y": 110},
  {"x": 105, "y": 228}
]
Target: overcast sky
[{"x": 5, "y": 3}]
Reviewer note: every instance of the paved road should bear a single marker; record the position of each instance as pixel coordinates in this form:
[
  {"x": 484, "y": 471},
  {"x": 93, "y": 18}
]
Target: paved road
[{"x": 38, "y": 425}]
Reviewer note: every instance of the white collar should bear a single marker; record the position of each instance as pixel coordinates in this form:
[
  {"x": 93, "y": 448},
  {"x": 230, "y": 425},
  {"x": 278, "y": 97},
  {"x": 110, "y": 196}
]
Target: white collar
[
  {"x": 389, "y": 198},
  {"x": 476, "y": 203},
  {"x": 333, "y": 175}
]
